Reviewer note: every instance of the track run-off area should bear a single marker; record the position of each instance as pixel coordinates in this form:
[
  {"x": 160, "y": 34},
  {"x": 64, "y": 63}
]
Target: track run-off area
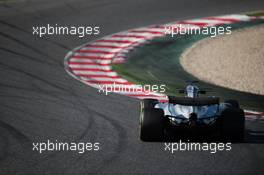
[{"x": 92, "y": 62}]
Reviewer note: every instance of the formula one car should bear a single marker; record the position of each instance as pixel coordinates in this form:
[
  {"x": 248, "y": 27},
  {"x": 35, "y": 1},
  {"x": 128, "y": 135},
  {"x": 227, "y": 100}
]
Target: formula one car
[{"x": 192, "y": 115}]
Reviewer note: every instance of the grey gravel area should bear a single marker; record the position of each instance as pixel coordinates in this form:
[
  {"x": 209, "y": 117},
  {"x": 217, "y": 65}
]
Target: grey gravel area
[{"x": 235, "y": 61}]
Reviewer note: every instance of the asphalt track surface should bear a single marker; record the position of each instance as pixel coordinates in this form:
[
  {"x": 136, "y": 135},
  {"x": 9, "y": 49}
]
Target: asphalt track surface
[{"x": 40, "y": 101}]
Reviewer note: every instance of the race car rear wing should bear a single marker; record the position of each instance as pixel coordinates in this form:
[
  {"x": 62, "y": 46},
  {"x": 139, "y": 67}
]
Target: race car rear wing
[{"x": 198, "y": 101}]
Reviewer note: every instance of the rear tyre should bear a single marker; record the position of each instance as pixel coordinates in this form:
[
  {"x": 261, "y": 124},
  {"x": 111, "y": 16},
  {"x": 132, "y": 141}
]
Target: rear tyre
[
  {"x": 151, "y": 125},
  {"x": 148, "y": 103},
  {"x": 233, "y": 103},
  {"x": 233, "y": 125}
]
